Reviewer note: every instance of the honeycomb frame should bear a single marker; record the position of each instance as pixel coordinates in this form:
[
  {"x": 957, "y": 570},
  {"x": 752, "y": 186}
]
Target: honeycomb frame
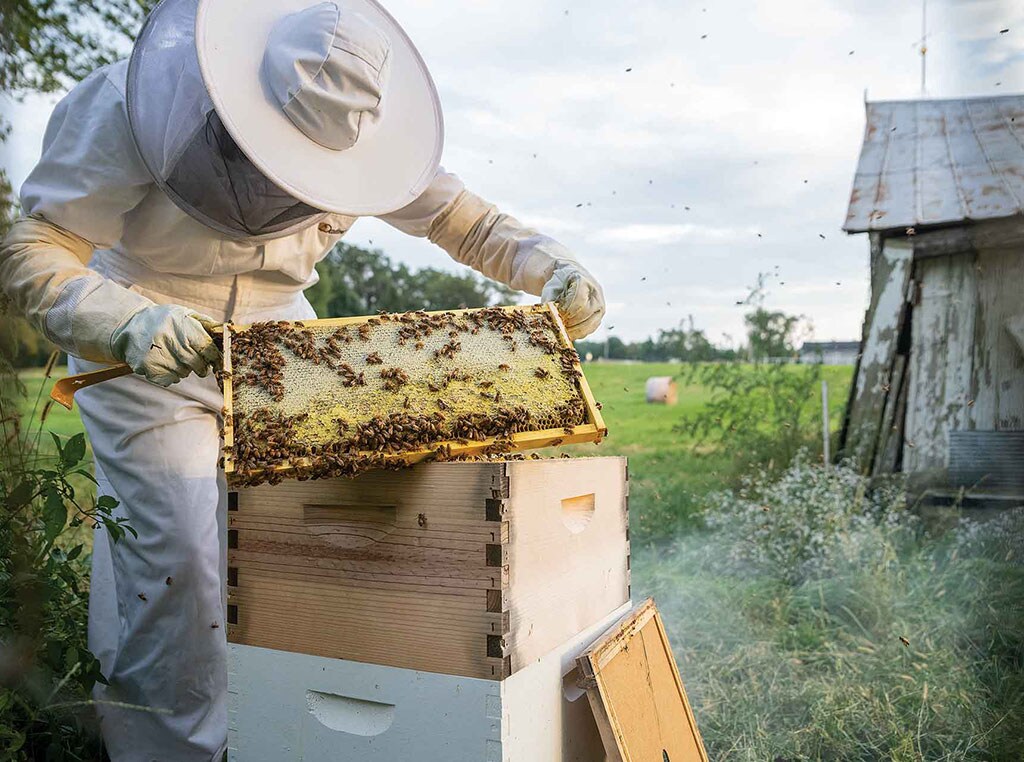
[{"x": 591, "y": 429}]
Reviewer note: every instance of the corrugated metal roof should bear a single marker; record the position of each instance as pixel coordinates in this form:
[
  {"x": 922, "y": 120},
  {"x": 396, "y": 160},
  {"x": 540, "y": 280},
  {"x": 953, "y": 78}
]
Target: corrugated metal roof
[{"x": 929, "y": 162}]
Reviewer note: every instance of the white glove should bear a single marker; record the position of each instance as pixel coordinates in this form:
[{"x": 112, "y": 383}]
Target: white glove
[
  {"x": 165, "y": 343},
  {"x": 579, "y": 297}
]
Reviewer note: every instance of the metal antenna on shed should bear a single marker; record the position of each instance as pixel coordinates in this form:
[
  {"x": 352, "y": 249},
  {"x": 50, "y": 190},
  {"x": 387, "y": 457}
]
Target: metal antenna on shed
[{"x": 924, "y": 45}]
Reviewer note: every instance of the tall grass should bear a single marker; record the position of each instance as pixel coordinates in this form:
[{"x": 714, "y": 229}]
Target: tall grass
[{"x": 816, "y": 619}]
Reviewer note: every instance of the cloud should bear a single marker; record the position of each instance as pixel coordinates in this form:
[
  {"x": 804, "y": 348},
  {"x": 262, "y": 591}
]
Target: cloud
[
  {"x": 756, "y": 128},
  {"x": 654, "y": 234}
]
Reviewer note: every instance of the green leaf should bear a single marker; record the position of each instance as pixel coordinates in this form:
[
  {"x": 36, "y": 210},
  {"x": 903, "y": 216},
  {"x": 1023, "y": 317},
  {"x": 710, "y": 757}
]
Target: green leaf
[
  {"x": 86, "y": 474},
  {"x": 55, "y": 515},
  {"x": 115, "y": 530},
  {"x": 75, "y": 552},
  {"x": 74, "y": 450},
  {"x": 20, "y": 495},
  {"x": 17, "y": 741},
  {"x": 107, "y": 503},
  {"x": 57, "y": 444}
]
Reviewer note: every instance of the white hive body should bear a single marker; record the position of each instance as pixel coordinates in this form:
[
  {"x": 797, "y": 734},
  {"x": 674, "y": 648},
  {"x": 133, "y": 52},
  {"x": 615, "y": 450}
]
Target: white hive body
[{"x": 287, "y": 707}]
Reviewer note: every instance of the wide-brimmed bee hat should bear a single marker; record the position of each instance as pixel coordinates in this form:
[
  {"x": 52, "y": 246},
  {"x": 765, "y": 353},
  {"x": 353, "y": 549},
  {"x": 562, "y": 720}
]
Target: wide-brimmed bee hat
[{"x": 256, "y": 115}]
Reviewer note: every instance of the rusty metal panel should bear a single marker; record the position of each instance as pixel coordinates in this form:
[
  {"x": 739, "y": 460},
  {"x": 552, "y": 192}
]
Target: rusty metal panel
[
  {"x": 987, "y": 460},
  {"x": 931, "y": 162}
]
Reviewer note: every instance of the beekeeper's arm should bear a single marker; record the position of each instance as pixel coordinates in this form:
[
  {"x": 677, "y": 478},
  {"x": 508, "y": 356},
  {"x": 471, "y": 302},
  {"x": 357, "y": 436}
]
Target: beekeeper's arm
[
  {"x": 88, "y": 178},
  {"x": 476, "y": 234}
]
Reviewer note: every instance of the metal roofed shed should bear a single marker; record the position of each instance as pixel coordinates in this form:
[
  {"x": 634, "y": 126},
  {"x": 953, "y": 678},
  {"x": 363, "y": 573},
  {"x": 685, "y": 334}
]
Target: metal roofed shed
[
  {"x": 939, "y": 189},
  {"x": 935, "y": 162}
]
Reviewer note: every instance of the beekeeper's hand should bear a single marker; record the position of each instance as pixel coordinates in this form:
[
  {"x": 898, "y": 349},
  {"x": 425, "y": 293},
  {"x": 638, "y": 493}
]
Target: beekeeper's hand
[
  {"x": 579, "y": 297},
  {"x": 165, "y": 343}
]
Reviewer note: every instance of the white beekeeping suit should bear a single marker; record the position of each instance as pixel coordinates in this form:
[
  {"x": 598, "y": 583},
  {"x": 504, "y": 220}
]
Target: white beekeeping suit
[{"x": 206, "y": 177}]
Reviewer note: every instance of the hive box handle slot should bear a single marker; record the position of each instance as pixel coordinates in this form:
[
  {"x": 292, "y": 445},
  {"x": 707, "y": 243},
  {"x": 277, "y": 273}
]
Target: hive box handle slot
[
  {"x": 350, "y": 715},
  {"x": 577, "y": 512},
  {"x": 349, "y": 526}
]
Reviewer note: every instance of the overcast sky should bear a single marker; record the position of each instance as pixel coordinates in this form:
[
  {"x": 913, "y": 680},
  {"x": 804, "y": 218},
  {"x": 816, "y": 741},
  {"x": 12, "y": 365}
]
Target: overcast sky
[{"x": 685, "y": 130}]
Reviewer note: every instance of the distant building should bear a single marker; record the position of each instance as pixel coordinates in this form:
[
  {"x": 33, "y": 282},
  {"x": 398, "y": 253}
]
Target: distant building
[
  {"x": 939, "y": 386},
  {"x": 829, "y": 352}
]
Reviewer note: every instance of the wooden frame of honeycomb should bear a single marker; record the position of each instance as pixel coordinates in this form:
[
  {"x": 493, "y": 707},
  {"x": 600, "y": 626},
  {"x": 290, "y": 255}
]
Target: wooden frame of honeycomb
[{"x": 320, "y": 347}]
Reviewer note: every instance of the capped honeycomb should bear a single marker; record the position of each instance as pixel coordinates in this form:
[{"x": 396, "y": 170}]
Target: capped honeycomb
[{"x": 334, "y": 397}]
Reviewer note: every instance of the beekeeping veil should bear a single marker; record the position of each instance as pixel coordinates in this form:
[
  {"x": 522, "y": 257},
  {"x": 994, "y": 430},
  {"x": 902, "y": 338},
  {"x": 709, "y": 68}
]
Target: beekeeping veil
[{"x": 258, "y": 116}]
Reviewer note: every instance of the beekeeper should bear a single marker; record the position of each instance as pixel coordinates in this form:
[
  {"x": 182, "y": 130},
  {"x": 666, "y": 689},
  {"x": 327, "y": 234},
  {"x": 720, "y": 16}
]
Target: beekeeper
[{"x": 203, "y": 179}]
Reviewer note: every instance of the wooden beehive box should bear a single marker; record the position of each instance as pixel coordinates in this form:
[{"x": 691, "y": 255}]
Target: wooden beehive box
[{"x": 462, "y": 568}]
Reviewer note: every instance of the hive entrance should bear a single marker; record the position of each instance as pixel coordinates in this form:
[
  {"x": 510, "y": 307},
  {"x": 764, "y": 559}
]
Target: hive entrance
[{"x": 332, "y": 397}]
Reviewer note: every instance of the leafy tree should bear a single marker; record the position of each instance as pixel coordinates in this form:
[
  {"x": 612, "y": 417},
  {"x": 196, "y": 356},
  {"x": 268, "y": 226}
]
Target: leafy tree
[
  {"x": 357, "y": 281},
  {"x": 771, "y": 333},
  {"x": 762, "y": 414},
  {"x": 47, "y": 45},
  {"x": 688, "y": 343},
  {"x": 685, "y": 342}
]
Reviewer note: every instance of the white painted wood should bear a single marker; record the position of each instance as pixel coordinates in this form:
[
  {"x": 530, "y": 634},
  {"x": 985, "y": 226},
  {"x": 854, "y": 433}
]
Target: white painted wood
[
  {"x": 941, "y": 359},
  {"x": 891, "y": 270},
  {"x": 998, "y": 366},
  {"x": 568, "y": 556},
  {"x": 289, "y": 707}
]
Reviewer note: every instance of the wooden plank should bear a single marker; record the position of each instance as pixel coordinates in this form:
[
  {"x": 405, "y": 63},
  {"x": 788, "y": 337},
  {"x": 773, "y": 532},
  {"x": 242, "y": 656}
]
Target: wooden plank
[
  {"x": 997, "y": 383},
  {"x": 890, "y": 432},
  {"x": 1015, "y": 327},
  {"x": 473, "y": 569},
  {"x": 941, "y": 360},
  {"x": 594, "y": 416},
  {"x": 891, "y": 278},
  {"x": 637, "y": 695},
  {"x": 229, "y": 418},
  {"x": 568, "y": 525},
  {"x": 993, "y": 234}
]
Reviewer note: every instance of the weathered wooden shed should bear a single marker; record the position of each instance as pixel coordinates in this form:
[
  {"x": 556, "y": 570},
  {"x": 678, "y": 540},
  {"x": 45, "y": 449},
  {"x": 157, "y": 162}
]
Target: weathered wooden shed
[{"x": 939, "y": 384}]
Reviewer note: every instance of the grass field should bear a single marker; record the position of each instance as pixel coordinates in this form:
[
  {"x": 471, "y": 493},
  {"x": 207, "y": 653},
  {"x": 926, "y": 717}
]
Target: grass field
[
  {"x": 786, "y": 608},
  {"x": 668, "y": 473}
]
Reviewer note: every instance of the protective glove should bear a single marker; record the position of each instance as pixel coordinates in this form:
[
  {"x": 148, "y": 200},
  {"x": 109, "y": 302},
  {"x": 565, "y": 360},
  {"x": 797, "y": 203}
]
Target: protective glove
[
  {"x": 165, "y": 343},
  {"x": 579, "y": 297}
]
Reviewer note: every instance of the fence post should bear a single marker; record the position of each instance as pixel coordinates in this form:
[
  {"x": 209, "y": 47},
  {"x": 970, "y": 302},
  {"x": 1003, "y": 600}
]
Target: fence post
[{"x": 826, "y": 439}]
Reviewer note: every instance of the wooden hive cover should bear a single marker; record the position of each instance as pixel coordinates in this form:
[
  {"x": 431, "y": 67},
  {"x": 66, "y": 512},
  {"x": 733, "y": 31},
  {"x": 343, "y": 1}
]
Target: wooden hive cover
[
  {"x": 465, "y": 568},
  {"x": 637, "y": 695}
]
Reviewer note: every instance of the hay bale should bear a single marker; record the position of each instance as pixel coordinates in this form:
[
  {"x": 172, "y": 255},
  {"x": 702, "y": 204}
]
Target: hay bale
[{"x": 661, "y": 390}]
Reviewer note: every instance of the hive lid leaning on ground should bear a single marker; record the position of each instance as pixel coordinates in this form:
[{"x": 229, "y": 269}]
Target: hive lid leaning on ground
[{"x": 337, "y": 397}]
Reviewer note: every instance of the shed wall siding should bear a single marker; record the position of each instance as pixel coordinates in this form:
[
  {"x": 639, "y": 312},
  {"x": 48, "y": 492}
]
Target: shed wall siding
[
  {"x": 941, "y": 358},
  {"x": 998, "y": 383},
  {"x": 967, "y": 372}
]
